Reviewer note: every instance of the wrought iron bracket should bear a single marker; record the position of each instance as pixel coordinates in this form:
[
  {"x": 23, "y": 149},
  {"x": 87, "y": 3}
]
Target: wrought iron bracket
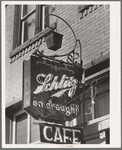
[{"x": 72, "y": 55}]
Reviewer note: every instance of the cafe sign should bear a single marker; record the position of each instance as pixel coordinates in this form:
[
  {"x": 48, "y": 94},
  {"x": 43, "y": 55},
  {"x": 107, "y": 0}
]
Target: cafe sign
[
  {"x": 60, "y": 134},
  {"x": 51, "y": 89}
]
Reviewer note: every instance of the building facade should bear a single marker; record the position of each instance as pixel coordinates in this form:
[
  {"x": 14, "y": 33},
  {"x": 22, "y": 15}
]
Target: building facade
[{"x": 25, "y": 32}]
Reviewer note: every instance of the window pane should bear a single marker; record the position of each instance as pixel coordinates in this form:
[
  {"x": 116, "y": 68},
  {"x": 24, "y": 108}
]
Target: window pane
[
  {"x": 101, "y": 106},
  {"x": 21, "y": 129},
  {"x": 8, "y": 131},
  {"x": 27, "y": 9},
  {"x": 29, "y": 27},
  {"x": 80, "y": 116},
  {"x": 88, "y": 115},
  {"x": 102, "y": 100},
  {"x": 35, "y": 131}
]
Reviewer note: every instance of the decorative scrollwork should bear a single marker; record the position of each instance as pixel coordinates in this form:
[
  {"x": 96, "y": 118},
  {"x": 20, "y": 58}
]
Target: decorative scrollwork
[{"x": 72, "y": 55}]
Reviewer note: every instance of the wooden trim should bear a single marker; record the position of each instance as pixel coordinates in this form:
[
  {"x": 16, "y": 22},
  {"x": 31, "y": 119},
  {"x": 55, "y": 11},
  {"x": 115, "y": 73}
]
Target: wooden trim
[
  {"x": 92, "y": 103},
  {"x": 97, "y": 74},
  {"x": 14, "y": 126},
  {"x": 46, "y": 13},
  {"x": 83, "y": 81},
  {"x": 39, "y": 15},
  {"x": 26, "y": 16},
  {"x": 97, "y": 68},
  {"x": 19, "y": 26},
  {"x": 14, "y": 130},
  {"x": 38, "y": 142},
  {"x": 41, "y": 11},
  {"x": 43, "y": 17},
  {"x": 99, "y": 119},
  {"x": 37, "y": 19},
  {"x": 28, "y": 129},
  {"x": 102, "y": 138},
  {"x": 22, "y": 32},
  {"x": 10, "y": 136}
]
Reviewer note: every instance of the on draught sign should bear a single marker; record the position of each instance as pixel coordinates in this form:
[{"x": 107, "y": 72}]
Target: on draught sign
[{"x": 50, "y": 89}]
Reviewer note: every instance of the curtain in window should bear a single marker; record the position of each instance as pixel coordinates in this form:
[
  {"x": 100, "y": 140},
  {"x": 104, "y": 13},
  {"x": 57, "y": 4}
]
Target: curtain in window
[{"x": 101, "y": 99}]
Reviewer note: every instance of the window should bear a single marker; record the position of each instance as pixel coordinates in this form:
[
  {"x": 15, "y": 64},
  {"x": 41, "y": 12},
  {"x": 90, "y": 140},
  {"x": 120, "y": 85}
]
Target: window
[
  {"x": 31, "y": 21},
  {"x": 24, "y": 131},
  {"x": 20, "y": 128},
  {"x": 28, "y": 20},
  {"x": 8, "y": 130},
  {"x": 97, "y": 97},
  {"x": 35, "y": 132},
  {"x": 102, "y": 98}
]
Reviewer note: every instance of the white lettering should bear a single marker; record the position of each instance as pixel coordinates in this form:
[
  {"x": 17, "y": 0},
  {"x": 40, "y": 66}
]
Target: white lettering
[
  {"x": 68, "y": 111},
  {"x": 54, "y": 84},
  {"x": 71, "y": 109},
  {"x": 64, "y": 133},
  {"x": 58, "y": 135},
  {"x": 46, "y": 85},
  {"x": 45, "y": 133},
  {"x": 75, "y": 140},
  {"x": 62, "y": 81}
]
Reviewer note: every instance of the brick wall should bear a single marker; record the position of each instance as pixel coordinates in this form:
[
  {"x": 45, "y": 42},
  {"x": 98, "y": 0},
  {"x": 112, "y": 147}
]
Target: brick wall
[
  {"x": 95, "y": 33},
  {"x": 92, "y": 29},
  {"x": 9, "y": 28}
]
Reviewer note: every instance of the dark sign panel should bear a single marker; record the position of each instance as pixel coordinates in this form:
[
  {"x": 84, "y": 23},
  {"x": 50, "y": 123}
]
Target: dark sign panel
[
  {"x": 60, "y": 134},
  {"x": 51, "y": 89}
]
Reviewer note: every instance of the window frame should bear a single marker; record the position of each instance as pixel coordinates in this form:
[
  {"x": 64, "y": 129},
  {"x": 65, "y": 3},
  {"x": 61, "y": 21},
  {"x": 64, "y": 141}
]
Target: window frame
[
  {"x": 14, "y": 126},
  {"x": 8, "y": 139},
  {"x": 40, "y": 12},
  {"x": 23, "y": 18},
  {"x": 87, "y": 79},
  {"x": 28, "y": 128}
]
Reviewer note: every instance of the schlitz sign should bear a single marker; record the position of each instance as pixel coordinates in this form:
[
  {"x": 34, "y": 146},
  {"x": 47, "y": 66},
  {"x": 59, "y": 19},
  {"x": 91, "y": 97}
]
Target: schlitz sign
[
  {"x": 60, "y": 134},
  {"x": 51, "y": 88}
]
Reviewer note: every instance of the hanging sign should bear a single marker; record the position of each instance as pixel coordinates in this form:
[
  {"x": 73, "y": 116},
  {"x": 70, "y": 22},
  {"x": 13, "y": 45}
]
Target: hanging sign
[
  {"x": 51, "y": 89},
  {"x": 60, "y": 135}
]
